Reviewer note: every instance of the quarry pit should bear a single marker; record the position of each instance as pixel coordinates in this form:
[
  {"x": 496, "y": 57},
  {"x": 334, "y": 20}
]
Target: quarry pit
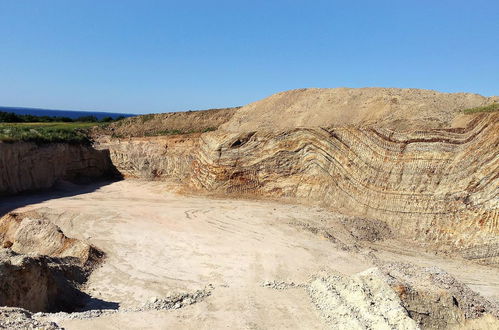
[{"x": 361, "y": 209}]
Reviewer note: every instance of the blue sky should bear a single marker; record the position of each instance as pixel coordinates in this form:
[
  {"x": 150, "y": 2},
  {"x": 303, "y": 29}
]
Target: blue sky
[{"x": 158, "y": 56}]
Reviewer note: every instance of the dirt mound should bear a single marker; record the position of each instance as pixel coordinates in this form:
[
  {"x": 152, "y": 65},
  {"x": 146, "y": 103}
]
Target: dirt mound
[
  {"x": 30, "y": 233},
  {"x": 434, "y": 298},
  {"x": 334, "y": 107},
  {"x": 40, "y": 283},
  {"x": 363, "y": 301},
  {"x": 400, "y": 296},
  {"x": 370, "y": 230},
  {"x": 169, "y": 123}
]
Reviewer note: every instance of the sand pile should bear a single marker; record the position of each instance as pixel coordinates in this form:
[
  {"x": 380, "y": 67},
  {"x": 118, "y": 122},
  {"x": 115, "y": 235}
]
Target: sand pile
[{"x": 335, "y": 107}]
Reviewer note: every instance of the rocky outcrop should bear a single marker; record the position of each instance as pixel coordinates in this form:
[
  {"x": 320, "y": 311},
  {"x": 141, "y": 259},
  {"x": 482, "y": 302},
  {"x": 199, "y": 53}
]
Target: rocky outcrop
[
  {"x": 39, "y": 283},
  {"x": 154, "y": 158},
  {"x": 439, "y": 185},
  {"x": 41, "y": 269},
  {"x": 30, "y": 233},
  {"x": 28, "y": 166}
]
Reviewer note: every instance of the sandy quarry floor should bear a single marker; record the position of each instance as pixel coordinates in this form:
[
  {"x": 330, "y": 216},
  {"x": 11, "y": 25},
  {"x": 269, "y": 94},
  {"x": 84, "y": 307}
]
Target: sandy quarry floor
[{"x": 158, "y": 242}]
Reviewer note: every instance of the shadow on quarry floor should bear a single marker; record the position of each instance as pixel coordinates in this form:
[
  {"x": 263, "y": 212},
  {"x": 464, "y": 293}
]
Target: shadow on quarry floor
[
  {"x": 98, "y": 304},
  {"x": 76, "y": 301},
  {"x": 62, "y": 189}
]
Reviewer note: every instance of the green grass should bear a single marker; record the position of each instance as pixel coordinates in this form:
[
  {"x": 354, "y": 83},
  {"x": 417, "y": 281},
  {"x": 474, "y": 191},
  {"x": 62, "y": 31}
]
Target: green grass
[
  {"x": 487, "y": 108},
  {"x": 73, "y": 132}
]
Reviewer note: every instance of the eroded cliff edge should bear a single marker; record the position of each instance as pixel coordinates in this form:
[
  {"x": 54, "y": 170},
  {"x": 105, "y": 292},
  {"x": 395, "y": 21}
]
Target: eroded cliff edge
[{"x": 434, "y": 179}]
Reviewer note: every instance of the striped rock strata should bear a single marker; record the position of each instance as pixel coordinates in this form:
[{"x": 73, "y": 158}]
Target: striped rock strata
[{"x": 439, "y": 185}]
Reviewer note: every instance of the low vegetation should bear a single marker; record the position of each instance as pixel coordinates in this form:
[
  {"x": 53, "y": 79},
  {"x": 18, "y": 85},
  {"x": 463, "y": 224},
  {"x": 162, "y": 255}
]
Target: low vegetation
[
  {"x": 48, "y": 129},
  {"x": 46, "y": 132},
  {"x": 486, "y": 108}
]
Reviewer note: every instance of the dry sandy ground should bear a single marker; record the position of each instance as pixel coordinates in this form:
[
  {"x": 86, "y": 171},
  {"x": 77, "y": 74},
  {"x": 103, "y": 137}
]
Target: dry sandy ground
[{"x": 158, "y": 242}]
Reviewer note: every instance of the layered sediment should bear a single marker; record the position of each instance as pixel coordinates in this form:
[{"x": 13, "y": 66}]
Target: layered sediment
[
  {"x": 438, "y": 185},
  {"x": 32, "y": 233},
  {"x": 394, "y": 164},
  {"x": 39, "y": 283},
  {"x": 26, "y": 166},
  {"x": 41, "y": 269}
]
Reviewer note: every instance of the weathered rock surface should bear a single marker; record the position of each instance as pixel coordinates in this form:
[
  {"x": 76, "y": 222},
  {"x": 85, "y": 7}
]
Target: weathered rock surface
[
  {"x": 400, "y": 296},
  {"x": 30, "y": 233},
  {"x": 439, "y": 185},
  {"x": 28, "y": 166},
  {"x": 363, "y": 301},
  {"x": 41, "y": 269},
  {"x": 39, "y": 283},
  {"x": 435, "y": 299},
  {"x": 154, "y": 158}
]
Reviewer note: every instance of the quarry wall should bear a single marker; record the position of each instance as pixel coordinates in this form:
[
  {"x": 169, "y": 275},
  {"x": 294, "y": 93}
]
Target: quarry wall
[
  {"x": 439, "y": 185},
  {"x": 27, "y": 166}
]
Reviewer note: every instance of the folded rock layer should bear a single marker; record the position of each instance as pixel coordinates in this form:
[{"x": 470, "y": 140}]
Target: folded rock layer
[{"x": 437, "y": 185}]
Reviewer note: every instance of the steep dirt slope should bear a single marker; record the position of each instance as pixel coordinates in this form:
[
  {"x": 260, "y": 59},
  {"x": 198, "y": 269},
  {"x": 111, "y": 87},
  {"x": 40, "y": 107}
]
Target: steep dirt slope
[
  {"x": 395, "y": 108},
  {"x": 169, "y": 123}
]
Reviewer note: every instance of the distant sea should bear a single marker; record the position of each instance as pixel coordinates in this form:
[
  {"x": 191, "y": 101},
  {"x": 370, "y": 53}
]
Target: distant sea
[{"x": 73, "y": 114}]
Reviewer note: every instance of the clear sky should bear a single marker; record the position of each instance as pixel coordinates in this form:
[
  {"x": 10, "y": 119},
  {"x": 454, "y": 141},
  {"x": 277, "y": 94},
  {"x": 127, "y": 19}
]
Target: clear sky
[{"x": 157, "y": 56}]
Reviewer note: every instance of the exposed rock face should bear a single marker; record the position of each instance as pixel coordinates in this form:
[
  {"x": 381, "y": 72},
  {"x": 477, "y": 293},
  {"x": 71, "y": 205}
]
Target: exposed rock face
[
  {"x": 40, "y": 268},
  {"x": 154, "y": 157},
  {"x": 30, "y": 233},
  {"x": 27, "y": 166},
  {"x": 438, "y": 185},
  {"x": 39, "y": 283}
]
